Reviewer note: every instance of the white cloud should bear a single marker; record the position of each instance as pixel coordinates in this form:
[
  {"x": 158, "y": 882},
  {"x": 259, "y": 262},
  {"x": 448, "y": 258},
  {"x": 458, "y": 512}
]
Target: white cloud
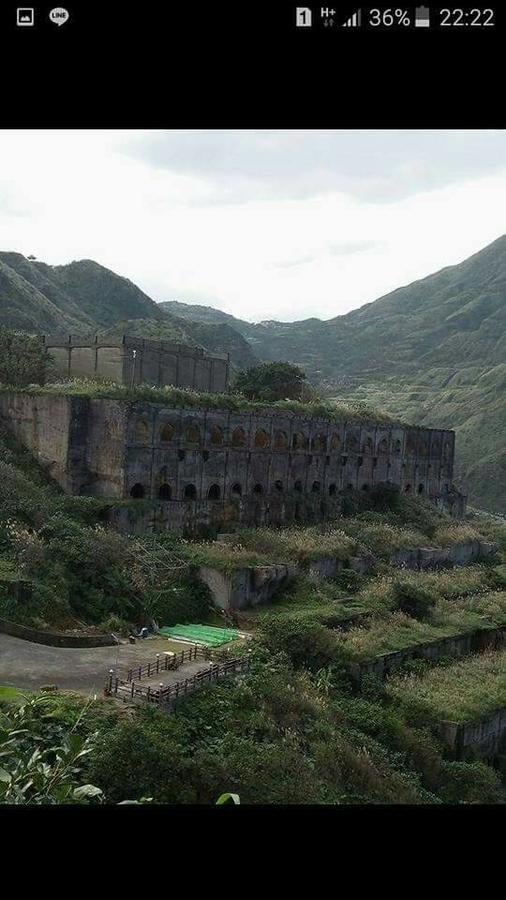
[{"x": 269, "y": 225}]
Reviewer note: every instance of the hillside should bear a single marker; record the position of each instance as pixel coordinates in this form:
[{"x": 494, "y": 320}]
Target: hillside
[
  {"x": 433, "y": 352},
  {"x": 85, "y": 297}
]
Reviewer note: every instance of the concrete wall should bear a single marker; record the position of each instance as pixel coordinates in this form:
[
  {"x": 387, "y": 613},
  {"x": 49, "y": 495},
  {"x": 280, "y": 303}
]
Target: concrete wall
[
  {"x": 431, "y": 558},
  {"x": 56, "y": 638},
  {"x": 139, "y": 360},
  {"x": 218, "y": 467},
  {"x": 458, "y": 645},
  {"x": 483, "y": 738},
  {"x": 245, "y": 587}
]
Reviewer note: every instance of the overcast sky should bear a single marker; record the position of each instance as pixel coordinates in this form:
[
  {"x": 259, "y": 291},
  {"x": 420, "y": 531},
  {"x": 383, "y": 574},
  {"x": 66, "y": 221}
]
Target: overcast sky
[{"x": 261, "y": 224}]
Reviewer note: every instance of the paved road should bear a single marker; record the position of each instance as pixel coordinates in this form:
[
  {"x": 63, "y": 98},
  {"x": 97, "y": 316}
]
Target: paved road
[{"x": 28, "y": 665}]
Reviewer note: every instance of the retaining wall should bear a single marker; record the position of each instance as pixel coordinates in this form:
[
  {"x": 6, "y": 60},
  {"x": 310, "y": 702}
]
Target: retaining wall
[
  {"x": 250, "y": 586},
  {"x": 432, "y": 557},
  {"x": 457, "y": 645},
  {"x": 483, "y": 737},
  {"x": 56, "y": 638}
]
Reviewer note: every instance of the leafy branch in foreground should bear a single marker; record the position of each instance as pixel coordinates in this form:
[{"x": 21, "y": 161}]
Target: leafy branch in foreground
[{"x": 39, "y": 762}]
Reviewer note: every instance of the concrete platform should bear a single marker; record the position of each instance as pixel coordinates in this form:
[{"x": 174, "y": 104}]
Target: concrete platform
[{"x": 27, "y": 665}]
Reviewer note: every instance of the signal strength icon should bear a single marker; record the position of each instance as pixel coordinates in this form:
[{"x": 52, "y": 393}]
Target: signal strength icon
[{"x": 354, "y": 21}]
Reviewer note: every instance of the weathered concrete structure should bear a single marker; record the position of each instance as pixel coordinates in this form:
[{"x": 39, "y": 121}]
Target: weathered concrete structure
[
  {"x": 131, "y": 361},
  {"x": 217, "y": 467},
  {"x": 244, "y": 587}
]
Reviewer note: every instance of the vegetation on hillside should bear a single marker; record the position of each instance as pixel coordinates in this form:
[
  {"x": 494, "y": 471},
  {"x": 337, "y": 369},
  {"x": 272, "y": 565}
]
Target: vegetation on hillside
[
  {"x": 23, "y": 359},
  {"x": 181, "y": 398}
]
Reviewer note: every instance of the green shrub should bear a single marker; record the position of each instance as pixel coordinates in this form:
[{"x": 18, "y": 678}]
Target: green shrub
[
  {"x": 469, "y": 782},
  {"x": 413, "y": 599},
  {"x": 183, "y": 600},
  {"x": 307, "y": 644}
]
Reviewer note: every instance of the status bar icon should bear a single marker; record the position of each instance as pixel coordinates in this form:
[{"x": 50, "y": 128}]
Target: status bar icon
[
  {"x": 25, "y": 16},
  {"x": 303, "y": 17},
  {"x": 354, "y": 21},
  {"x": 422, "y": 17}
]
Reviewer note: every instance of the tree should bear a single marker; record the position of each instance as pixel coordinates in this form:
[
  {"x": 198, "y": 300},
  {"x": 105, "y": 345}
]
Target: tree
[
  {"x": 23, "y": 359},
  {"x": 274, "y": 381}
]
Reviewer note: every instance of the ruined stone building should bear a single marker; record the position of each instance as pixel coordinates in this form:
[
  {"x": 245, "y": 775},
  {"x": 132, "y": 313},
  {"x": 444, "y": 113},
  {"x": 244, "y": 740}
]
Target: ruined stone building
[
  {"x": 131, "y": 361},
  {"x": 199, "y": 467}
]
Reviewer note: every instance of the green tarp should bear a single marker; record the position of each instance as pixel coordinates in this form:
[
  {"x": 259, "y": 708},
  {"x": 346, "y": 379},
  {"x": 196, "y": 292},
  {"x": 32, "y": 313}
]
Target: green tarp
[{"x": 209, "y": 635}]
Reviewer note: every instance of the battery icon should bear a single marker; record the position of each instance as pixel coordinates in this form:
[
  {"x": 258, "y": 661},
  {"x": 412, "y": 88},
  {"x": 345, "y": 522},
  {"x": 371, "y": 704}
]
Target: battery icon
[{"x": 422, "y": 17}]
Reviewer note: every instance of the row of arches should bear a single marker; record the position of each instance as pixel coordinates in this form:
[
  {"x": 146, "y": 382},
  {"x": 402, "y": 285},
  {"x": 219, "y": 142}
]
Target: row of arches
[
  {"x": 319, "y": 443},
  {"x": 214, "y": 492}
]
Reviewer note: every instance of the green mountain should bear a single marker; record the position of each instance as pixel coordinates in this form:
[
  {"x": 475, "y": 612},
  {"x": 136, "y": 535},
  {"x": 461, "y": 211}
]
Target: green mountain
[
  {"x": 433, "y": 351},
  {"x": 84, "y": 297}
]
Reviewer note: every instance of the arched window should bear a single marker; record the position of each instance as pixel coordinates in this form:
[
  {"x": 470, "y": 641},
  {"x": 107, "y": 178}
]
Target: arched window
[
  {"x": 368, "y": 445},
  {"x": 319, "y": 443},
  {"x": 216, "y": 435},
  {"x": 332, "y": 489},
  {"x": 238, "y": 437},
  {"x": 344, "y": 460},
  {"x": 407, "y": 489},
  {"x": 192, "y": 434},
  {"x": 164, "y": 491},
  {"x": 298, "y": 441},
  {"x": 383, "y": 446},
  {"x": 421, "y": 488},
  {"x": 261, "y": 439},
  {"x": 190, "y": 492},
  {"x": 397, "y": 447},
  {"x": 141, "y": 432},
  {"x": 278, "y": 486},
  {"x": 258, "y": 489},
  {"x": 137, "y": 492},
  {"x": 280, "y": 440},
  {"x": 167, "y": 433},
  {"x": 360, "y": 461},
  {"x": 352, "y": 443},
  {"x": 236, "y": 490},
  {"x": 316, "y": 487},
  {"x": 335, "y": 442},
  {"x": 214, "y": 492},
  {"x": 298, "y": 487},
  {"x": 423, "y": 448}
]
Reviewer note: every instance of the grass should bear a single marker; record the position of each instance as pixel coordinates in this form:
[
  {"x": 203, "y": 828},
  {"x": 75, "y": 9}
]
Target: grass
[
  {"x": 380, "y": 594},
  {"x": 390, "y": 634},
  {"x": 297, "y": 544},
  {"x": 397, "y": 631},
  {"x": 462, "y": 692},
  {"x": 305, "y": 600},
  {"x": 222, "y": 556},
  {"x": 181, "y": 398},
  {"x": 381, "y": 538}
]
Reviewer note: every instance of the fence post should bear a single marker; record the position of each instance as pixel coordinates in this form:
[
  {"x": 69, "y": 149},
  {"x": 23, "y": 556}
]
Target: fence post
[
  {"x": 157, "y": 663},
  {"x": 149, "y": 669},
  {"x": 111, "y": 671},
  {"x": 140, "y": 675},
  {"x": 132, "y": 690}
]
